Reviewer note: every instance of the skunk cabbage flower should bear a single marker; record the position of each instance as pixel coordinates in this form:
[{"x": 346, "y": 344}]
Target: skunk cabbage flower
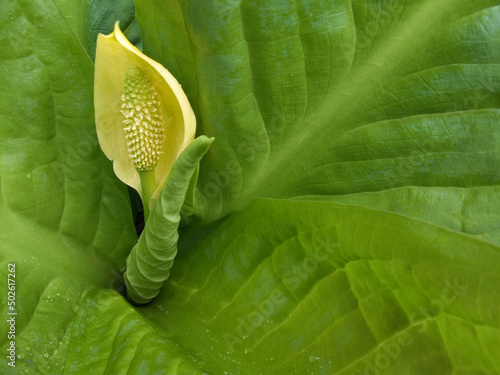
[{"x": 143, "y": 118}]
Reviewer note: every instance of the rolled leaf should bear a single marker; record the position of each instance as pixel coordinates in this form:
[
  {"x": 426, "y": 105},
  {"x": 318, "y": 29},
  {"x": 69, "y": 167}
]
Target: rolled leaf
[{"x": 149, "y": 262}]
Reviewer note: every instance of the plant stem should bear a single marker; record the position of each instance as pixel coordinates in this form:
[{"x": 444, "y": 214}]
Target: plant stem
[{"x": 148, "y": 186}]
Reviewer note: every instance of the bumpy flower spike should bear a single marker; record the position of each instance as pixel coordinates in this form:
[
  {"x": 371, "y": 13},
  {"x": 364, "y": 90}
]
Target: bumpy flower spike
[
  {"x": 143, "y": 124},
  {"x": 143, "y": 118}
]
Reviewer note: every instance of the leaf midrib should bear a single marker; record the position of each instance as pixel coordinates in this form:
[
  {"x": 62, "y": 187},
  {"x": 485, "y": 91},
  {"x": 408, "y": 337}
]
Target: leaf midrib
[{"x": 350, "y": 93}]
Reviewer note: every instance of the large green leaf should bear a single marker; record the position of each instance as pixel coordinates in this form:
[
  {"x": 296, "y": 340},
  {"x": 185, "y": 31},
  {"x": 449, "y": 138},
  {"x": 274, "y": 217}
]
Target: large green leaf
[
  {"x": 66, "y": 222},
  {"x": 333, "y": 97},
  {"x": 288, "y": 287}
]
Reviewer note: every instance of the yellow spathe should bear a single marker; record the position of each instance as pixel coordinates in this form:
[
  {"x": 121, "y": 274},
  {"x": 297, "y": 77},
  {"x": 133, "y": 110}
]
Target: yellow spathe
[{"x": 115, "y": 56}]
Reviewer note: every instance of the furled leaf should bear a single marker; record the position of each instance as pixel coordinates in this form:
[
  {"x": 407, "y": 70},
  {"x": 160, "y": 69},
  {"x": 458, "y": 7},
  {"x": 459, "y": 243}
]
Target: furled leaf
[{"x": 149, "y": 262}]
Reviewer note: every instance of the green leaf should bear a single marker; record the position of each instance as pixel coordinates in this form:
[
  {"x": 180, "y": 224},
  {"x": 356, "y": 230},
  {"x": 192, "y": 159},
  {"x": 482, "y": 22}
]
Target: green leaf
[
  {"x": 149, "y": 262},
  {"x": 66, "y": 221},
  {"x": 338, "y": 289},
  {"x": 49, "y": 145},
  {"x": 107, "y": 326},
  {"x": 324, "y": 98},
  {"x": 88, "y": 18}
]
